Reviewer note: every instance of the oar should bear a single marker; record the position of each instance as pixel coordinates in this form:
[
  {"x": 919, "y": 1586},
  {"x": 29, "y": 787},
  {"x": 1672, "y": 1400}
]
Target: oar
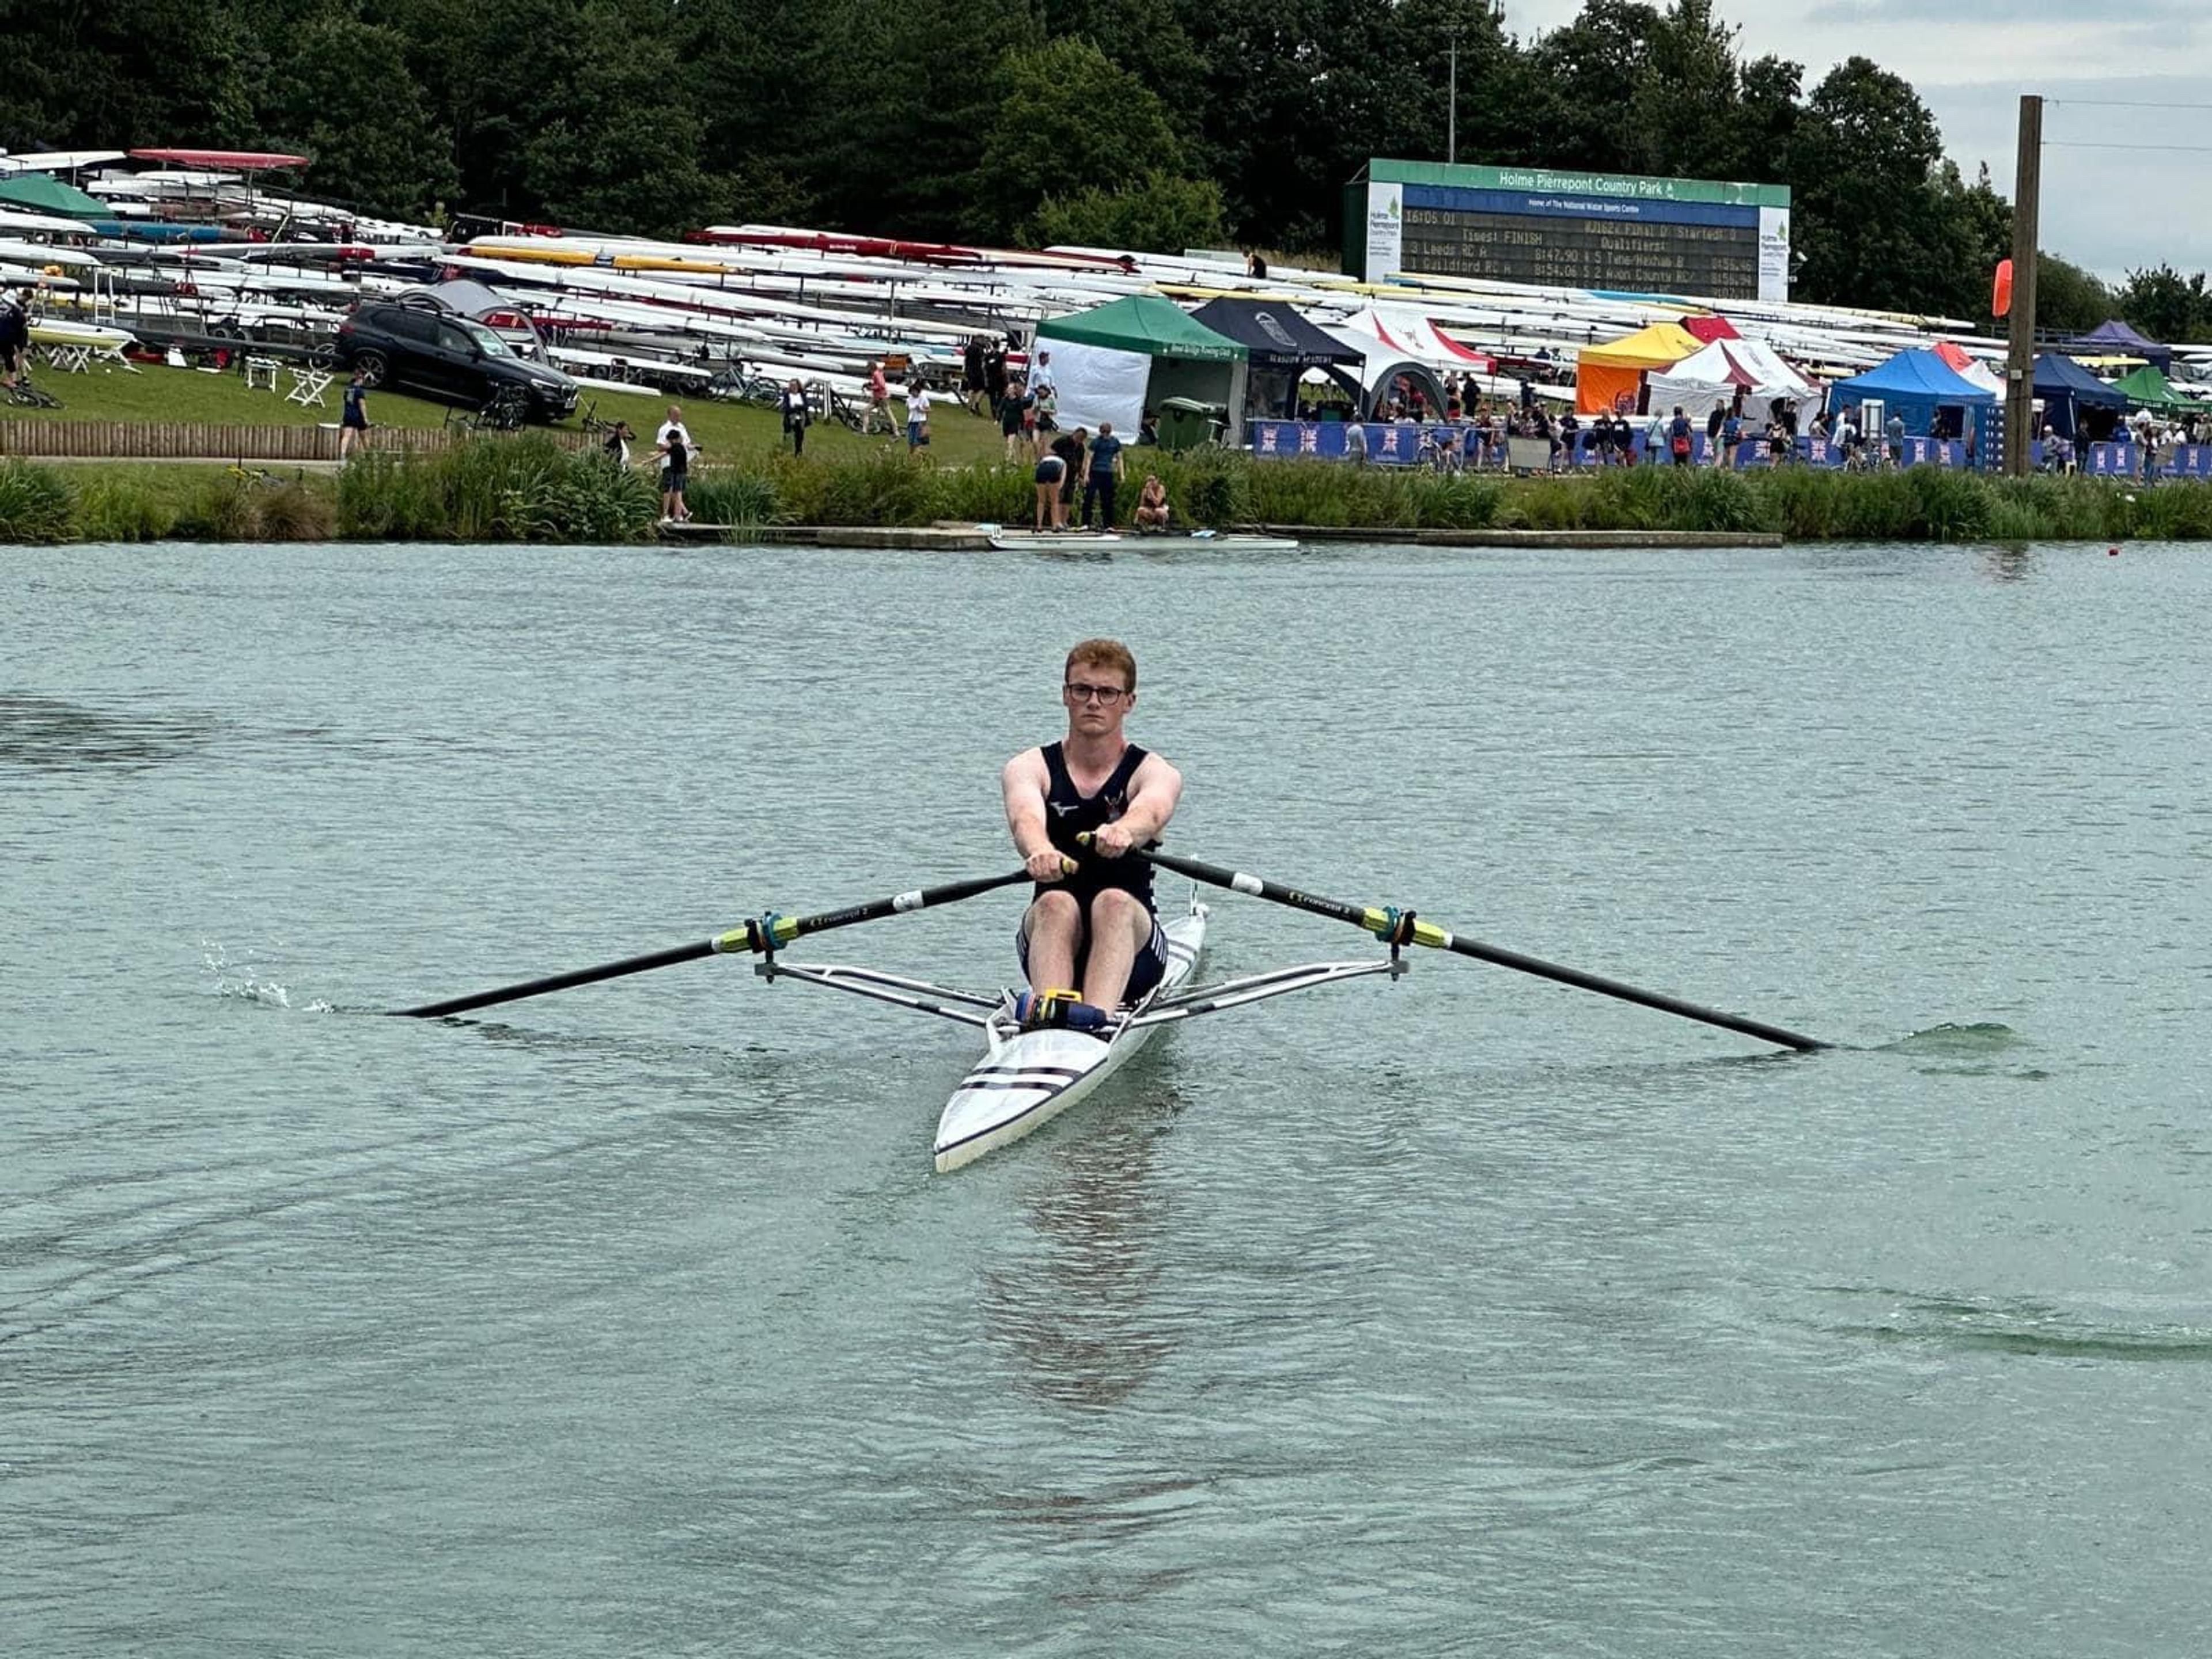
[
  {"x": 768, "y": 933},
  {"x": 1388, "y": 924}
]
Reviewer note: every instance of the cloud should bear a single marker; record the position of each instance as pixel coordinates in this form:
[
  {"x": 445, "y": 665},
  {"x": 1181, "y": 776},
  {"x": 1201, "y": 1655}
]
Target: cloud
[{"x": 2109, "y": 209}]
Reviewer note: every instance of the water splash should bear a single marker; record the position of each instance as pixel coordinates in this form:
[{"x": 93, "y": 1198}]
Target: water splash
[
  {"x": 249, "y": 987},
  {"x": 1960, "y": 1042},
  {"x": 2015, "y": 1325}
]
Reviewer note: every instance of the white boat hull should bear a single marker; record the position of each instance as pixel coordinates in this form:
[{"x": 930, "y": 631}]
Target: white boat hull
[{"x": 1027, "y": 1078}]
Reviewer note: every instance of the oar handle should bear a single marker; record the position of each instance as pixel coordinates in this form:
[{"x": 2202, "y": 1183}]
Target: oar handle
[{"x": 1390, "y": 925}]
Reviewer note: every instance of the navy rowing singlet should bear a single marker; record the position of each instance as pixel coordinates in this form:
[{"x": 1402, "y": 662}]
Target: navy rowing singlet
[{"x": 1068, "y": 813}]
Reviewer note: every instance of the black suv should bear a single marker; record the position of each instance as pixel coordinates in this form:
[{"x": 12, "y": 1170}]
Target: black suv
[{"x": 442, "y": 354}]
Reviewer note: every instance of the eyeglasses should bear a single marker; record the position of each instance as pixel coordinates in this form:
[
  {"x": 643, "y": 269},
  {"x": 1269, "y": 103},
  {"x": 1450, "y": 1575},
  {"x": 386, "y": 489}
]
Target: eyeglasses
[{"x": 1075, "y": 693}]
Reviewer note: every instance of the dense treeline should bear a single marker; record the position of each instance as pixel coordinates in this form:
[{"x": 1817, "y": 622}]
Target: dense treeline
[{"x": 1144, "y": 122}]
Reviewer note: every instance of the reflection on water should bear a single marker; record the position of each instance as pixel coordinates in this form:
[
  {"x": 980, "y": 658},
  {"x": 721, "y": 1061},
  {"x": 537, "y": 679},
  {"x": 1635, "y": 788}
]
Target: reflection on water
[
  {"x": 49, "y": 733},
  {"x": 1073, "y": 1310}
]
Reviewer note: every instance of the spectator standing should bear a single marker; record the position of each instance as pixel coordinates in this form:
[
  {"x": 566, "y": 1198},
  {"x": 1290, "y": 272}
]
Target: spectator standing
[
  {"x": 1355, "y": 442},
  {"x": 1072, "y": 447},
  {"x": 1051, "y": 470},
  {"x": 673, "y": 447},
  {"x": 1013, "y": 415},
  {"x": 1715, "y": 417},
  {"x": 1894, "y": 430},
  {"x": 917, "y": 415},
  {"x": 795, "y": 416},
  {"x": 1679, "y": 441},
  {"x": 879, "y": 402},
  {"x": 1101, "y": 475},
  {"x": 618, "y": 444},
  {"x": 353, "y": 415},
  {"x": 15, "y": 340},
  {"x": 971, "y": 374}
]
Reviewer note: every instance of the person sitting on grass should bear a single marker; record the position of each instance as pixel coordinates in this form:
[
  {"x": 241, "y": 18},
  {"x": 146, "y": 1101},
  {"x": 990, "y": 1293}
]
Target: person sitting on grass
[{"x": 1152, "y": 507}]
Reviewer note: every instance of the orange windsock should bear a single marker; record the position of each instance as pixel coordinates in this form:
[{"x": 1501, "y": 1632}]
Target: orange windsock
[{"x": 2001, "y": 291}]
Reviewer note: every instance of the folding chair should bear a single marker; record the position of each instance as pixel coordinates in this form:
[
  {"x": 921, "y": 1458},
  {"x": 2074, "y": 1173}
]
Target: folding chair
[
  {"x": 308, "y": 385},
  {"x": 262, "y": 371},
  {"x": 70, "y": 359}
]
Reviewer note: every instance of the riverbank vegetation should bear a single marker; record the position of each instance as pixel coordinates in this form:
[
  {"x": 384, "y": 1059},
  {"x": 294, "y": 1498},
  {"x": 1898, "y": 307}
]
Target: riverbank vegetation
[{"x": 530, "y": 488}]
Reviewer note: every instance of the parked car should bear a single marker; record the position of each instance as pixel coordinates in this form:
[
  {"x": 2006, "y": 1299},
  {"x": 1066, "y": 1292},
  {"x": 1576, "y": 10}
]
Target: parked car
[{"x": 441, "y": 354}]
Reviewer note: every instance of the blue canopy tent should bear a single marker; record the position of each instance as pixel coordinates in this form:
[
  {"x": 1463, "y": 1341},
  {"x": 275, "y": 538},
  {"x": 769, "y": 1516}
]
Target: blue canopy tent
[
  {"x": 2114, "y": 338},
  {"x": 1932, "y": 398},
  {"x": 2074, "y": 398}
]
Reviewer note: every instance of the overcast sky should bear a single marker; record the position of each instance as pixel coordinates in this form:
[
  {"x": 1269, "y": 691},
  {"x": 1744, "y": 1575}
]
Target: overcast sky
[{"x": 2109, "y": 209}]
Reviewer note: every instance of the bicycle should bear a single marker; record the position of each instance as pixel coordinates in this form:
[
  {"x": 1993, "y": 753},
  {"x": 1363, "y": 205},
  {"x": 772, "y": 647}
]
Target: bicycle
[
  {"x": 28, "y": 396},
  {"x": 838, "y": 407},
  {"x": 505, "y": 410}
]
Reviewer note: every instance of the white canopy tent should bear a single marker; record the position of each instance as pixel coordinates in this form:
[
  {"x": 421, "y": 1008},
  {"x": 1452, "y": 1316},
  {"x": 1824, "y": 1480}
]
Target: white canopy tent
[{"x": 1715, "y": 377}]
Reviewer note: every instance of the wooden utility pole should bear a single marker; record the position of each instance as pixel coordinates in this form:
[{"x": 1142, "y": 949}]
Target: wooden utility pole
[{"x": 2019, "y": 362}]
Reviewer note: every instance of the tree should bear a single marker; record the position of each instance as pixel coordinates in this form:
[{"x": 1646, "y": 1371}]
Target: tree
[
  {"x": 1596, "y": 65},
  {"x": 1160, "y": 213},
  {"x": 345, "y": 97},
  {"x": 1063, "y": 114},
  {"x": 1682, "y": 117},
  {"x": 2165, "y": 305},
  {"x": 2068, "y": 298},
  {"x": 1865, "y": 215}
]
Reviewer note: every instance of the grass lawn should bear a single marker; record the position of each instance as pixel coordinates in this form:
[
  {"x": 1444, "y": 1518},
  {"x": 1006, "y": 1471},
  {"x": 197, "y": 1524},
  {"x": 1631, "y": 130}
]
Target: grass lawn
[{"x": 725, "y": 431}]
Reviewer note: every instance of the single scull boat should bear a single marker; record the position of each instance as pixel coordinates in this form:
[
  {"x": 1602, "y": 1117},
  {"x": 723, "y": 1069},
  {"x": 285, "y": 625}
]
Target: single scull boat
[{"x": 1028, "y": 1077}]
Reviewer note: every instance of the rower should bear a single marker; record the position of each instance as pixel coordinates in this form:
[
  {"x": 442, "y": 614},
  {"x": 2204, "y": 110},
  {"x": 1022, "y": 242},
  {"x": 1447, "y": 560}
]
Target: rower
[{"x": 1095, "y": 927}]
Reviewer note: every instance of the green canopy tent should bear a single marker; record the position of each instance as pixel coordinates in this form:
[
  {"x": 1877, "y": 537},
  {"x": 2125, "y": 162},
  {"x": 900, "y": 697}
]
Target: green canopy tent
[
  {"x": 2146, "y": 388},
  {"x": 1115, "y": 361},
  {"x": 41, "y": 192}
]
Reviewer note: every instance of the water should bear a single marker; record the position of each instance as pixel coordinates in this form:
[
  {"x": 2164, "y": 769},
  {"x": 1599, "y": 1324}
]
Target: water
[{"x": 1466, "y": 1315}]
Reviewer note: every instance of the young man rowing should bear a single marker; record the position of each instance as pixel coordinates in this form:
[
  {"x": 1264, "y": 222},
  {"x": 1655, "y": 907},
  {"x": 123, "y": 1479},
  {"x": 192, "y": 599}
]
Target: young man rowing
[{"x": 1095, "y": 928}]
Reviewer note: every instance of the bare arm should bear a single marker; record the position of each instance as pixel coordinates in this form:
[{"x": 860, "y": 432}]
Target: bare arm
[
  {"x": 1024, "y": 783},
  {"x": 1158, "y": 788}
]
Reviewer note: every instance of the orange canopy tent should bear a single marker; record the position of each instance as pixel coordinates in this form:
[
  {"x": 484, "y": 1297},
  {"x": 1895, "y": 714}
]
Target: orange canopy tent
[{"x": 1606, "y": 375}]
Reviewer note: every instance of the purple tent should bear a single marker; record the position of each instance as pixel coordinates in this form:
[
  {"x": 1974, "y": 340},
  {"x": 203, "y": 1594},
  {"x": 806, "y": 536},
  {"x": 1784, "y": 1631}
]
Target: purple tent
[{"x": 2115, "y": 338}]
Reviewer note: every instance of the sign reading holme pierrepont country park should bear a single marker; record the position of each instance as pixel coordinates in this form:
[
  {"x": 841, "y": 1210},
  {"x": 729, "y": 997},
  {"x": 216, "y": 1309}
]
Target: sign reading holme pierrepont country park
[{"x": 1607, "y": 230}]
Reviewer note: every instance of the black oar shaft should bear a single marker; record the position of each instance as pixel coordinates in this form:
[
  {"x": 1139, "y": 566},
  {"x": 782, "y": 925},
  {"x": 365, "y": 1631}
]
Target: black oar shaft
[
  {"x": 1377, "y": 920},
  {"x": 768, "y": 933},
  {"x": 560, "y": 981}
]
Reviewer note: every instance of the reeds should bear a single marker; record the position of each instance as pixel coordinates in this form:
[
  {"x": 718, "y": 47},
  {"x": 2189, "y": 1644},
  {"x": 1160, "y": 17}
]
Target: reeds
[{"x": 527, "y": 488}]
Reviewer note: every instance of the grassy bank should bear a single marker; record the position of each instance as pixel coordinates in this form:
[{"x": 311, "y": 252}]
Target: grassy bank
[
  {"x": 526, "y": 488},
  {"x": 733, "y": 433}
]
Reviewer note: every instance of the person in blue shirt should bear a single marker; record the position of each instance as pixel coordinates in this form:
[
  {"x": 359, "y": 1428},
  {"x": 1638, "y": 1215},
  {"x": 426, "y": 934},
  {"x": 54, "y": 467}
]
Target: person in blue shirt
[
  {"x": 1679, "y": 441},
  {"x": 1105, "y": 472},
  {"x": 353, "y": 420}
]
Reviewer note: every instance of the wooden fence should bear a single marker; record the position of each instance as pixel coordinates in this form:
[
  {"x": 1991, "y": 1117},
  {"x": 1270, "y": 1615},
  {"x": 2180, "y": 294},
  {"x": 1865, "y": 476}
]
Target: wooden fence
[{"x": 209, "y": 440}]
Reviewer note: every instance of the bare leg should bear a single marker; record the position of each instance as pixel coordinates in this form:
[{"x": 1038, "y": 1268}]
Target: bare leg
[
  {"x": 1054, "y": 927},
  {"x": 1119, "y": 925}
]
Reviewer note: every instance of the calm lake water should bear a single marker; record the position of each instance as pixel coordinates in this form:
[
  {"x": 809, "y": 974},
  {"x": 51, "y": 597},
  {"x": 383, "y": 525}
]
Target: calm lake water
[{"x": 1468, "y": 1314}]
